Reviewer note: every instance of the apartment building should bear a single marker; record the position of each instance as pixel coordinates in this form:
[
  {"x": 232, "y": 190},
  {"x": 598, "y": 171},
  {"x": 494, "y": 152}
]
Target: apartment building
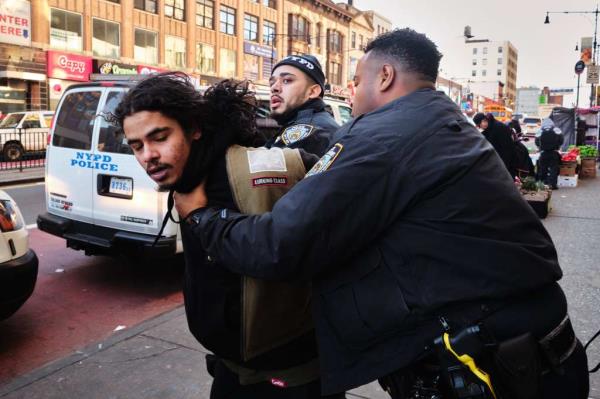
[{"x": 47, "y": 45}]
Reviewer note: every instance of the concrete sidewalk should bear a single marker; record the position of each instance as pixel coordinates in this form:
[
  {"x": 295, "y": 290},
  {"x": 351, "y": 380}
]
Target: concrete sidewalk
[
  {"x": 160, "y": 359},
  {"x": 15, "y": 176},
  {"x": 155, "y": 359}
]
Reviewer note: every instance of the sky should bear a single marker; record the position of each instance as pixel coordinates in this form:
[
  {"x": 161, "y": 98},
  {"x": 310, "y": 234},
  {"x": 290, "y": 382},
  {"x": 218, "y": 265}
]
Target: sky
[{"x": 546, "y": 52}]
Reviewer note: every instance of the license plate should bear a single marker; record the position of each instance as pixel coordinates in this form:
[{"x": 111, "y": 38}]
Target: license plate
[{"x": 121, "y": 186}]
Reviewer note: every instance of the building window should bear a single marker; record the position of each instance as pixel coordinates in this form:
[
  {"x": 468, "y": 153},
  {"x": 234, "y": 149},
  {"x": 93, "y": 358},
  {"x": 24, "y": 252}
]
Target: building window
[
  {"x": 227, "y": 61},
  {"x": 174, "y": 52},
  {"x": 353, "y": 40},
  {"x": 205, "y": 58},
  {"x": 269, "y": 29},
  {"x": 361, "y": 44},
  {"x": 250, "y": 28},
  {"x": 335, "y": 42},
  {"x": 473, "y": 73},
  {"x": 145, "y": 48},
  {"x": 499, "y": 73},
  {"x": 484, "y": 73},
  {"x": 335, "y": 73},
  {"x": 474, "y": 61},
  {"x": 499, "y": 61},
  {"x": 250, "y": 67},
  {"x": 500, "y": 49},
  {"x": 227, "y": 18},
  {"x": 474, "y": 50},
  {"x": 205, "y": 13},
  {"x": 175, "y": 9},
  {"x": 484, "y": 61},
  {"x": 299, "y": 28},
  {"x": 145, "y": 5},
  {"x": 114, "y": 1},
  {"x": 65, "y": 30},
  {"x": 105, "y": 38},
  {"x": 270, "y": 3},
  {"x": 485, "y": 50},
  {"x": 318, "y": 36}
]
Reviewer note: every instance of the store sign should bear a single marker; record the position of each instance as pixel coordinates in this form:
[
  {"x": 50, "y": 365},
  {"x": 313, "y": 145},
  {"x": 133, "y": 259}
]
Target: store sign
[
  {"x": 15, "y": 22},
  {"x": 586, "y": 50},
  {"x": 114, "y": 68},
  {"x": 68, "y": 66},
  {"x": 259, "y": 50},
  {"x": 146, "y": 70}
]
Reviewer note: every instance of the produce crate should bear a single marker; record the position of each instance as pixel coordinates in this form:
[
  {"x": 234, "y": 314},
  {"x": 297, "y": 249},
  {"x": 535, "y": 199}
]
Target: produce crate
[
  {"x": 541, "y": 208},
  {"x": 568, "y": 168},
  {"x": 539, "y": 201},
  {"x": 567, "y": 181},
  {"x": 586, "y": 173},
  {"x": 588, "y": 163}
]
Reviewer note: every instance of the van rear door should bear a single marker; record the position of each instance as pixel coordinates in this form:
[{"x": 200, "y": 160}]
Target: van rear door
[
  {"x": 124, "y": 196},
  {"x": 69, "y": 158}
]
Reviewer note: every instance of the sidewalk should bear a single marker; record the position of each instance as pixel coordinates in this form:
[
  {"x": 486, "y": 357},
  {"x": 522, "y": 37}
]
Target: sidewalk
[
  {"x": 155, "y": 359},
  {"x": 14, "y": 176},
  {"x": 160, "y": 359}
]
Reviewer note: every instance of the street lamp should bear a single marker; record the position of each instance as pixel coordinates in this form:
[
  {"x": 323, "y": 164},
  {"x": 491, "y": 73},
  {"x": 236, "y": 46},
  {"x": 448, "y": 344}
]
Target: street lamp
[{"x": 595, "y": 12}]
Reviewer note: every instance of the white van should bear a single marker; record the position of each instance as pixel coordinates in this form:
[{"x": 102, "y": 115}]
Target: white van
[{"x": 98, "y": 197}]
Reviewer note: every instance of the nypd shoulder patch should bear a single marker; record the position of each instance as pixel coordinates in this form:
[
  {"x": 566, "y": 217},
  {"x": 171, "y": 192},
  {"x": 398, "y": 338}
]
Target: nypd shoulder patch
[
  {"x": 326, "y": 160},
  {"x": 296, "y": 133}
]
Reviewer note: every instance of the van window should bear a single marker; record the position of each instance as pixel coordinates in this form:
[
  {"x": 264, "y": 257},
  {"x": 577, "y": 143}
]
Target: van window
[
  {"x": 111, "y": 138},
  {"x": 345, "y": 114},
  {"x": 75, "y": 120}
]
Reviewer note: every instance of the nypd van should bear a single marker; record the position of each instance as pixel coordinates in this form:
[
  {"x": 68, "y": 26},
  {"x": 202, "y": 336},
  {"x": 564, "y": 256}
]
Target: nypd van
[{"x": 98, "y": 198}]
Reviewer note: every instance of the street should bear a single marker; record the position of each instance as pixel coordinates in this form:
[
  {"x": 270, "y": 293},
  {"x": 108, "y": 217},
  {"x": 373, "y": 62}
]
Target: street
[{"x": 78, "y": 300}]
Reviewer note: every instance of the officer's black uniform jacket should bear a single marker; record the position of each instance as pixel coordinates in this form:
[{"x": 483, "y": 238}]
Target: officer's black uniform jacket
[
  {"x": 311, "y": 121},
  {"x": 415, "y": 212}
]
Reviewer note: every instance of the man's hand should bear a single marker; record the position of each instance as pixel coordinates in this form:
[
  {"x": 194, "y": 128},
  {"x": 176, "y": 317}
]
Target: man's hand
[{"x": 186, "y": 203}]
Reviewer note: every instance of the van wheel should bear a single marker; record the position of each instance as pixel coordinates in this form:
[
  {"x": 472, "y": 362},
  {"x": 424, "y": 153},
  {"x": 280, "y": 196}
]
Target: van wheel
[{"x": 12, "y": 152}]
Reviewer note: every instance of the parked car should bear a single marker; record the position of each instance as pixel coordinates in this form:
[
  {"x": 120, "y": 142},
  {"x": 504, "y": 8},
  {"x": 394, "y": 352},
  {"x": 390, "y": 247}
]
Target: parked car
[
  {"x": 22, "y": 132},
  {"x": 530, "y": 125},
  {"x": 18, "y": 263}
]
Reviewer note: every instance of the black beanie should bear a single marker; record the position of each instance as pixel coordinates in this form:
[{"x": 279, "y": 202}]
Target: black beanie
[
  {"x": 307, "y": 64},
  {"x": 478, "y": 118}
]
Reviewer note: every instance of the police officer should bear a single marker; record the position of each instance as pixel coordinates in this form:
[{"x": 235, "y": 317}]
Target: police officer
[
  {"x": 297, "y": 88},
  {"x": 412, "y": 243}
]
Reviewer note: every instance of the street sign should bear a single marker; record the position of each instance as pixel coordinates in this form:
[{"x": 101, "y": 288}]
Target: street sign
[
  {"x": 579, "y": 67},
  {"x": 592, "y": 74}
]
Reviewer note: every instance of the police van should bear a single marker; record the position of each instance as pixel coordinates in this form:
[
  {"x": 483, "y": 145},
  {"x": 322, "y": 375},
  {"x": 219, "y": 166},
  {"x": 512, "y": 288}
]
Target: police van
[{"x": 98, "y": 198}]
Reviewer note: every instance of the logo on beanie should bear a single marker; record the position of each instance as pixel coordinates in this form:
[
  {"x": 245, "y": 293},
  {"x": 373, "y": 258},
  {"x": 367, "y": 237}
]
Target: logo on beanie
[{"x": 300, "y": 61}]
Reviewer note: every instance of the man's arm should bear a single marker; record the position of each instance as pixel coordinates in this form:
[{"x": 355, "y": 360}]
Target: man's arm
[{"x": 322, "y": 222}]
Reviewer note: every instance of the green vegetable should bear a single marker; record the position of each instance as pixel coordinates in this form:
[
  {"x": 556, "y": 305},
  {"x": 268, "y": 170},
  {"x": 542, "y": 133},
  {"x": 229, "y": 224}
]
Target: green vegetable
[{"x": 588, "y": 151}]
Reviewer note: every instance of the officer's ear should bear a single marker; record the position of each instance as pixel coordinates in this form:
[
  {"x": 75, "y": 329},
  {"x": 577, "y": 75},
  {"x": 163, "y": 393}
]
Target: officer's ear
[
  {"x": 387, "y": 74},
  {"x": 314, "y": 91}
]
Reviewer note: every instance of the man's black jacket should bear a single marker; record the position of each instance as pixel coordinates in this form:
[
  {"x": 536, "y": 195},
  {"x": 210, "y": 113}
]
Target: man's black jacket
[{"x": 415, "y": 212}]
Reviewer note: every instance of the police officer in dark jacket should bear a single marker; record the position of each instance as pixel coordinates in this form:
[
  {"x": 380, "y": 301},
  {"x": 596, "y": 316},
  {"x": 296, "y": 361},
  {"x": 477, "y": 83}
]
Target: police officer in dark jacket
[
  {"x": 297, "y": 88},
  {"x": 412, "y": 242}
]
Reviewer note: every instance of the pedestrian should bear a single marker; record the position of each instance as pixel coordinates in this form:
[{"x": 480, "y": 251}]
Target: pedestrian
[
  {"x": 412, "y": 244},
  {"x": 182, "y": 137},
  {"x": 297, "y": 87},
  {"x": 500, "y": 137},
  {"x": 549, "y": 139}
]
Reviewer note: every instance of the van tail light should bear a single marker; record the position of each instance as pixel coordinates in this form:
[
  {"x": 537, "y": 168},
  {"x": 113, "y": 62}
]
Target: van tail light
[{"x": 9, "y": 219}]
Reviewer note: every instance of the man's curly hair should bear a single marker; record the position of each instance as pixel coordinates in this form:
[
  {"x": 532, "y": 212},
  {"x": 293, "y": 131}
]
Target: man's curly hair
[{"x": 224, "y": 114}]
